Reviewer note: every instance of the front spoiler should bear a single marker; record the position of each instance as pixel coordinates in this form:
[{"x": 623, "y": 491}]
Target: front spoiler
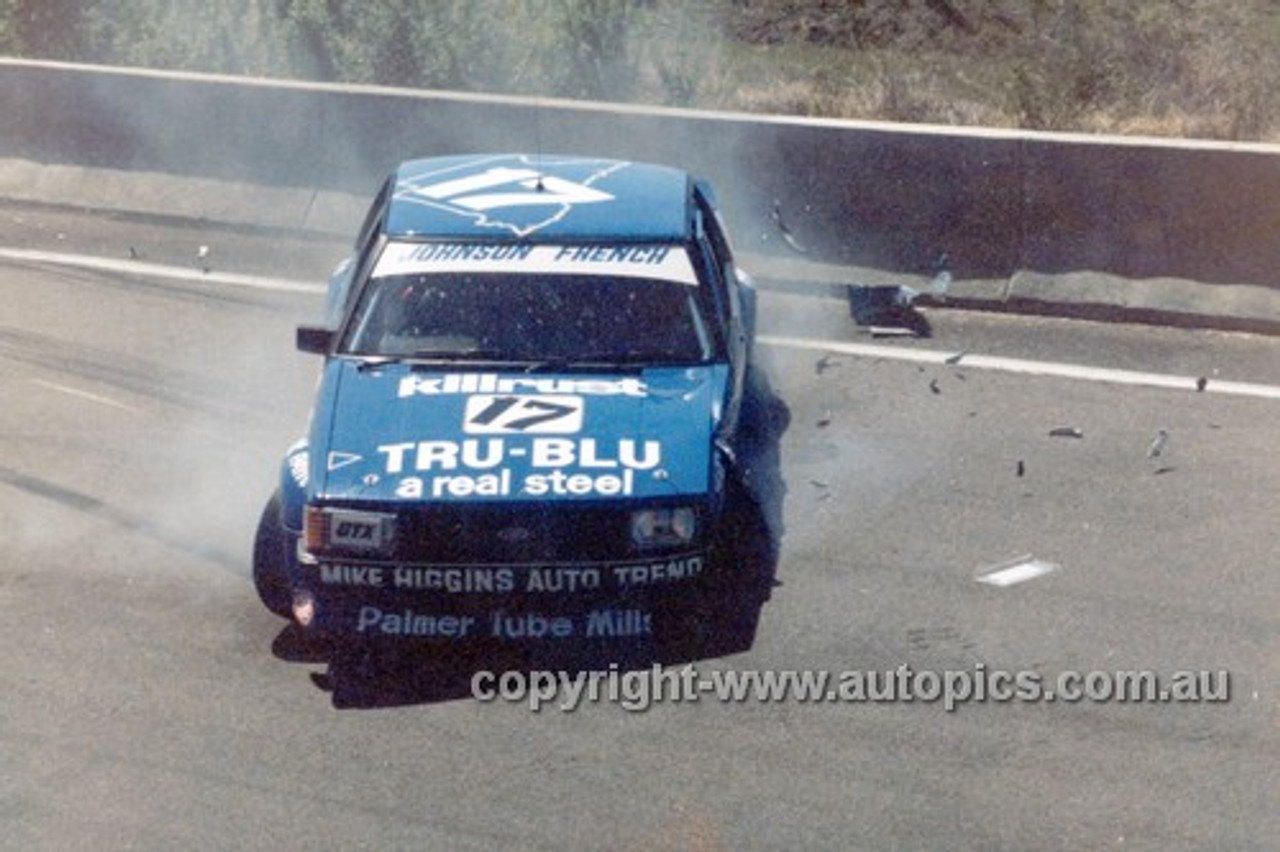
[{"x": 370, "y": 600}]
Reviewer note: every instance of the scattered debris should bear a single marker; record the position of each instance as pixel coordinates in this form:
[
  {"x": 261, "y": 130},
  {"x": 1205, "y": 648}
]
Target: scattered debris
[
  {"x": 927, "y": 638},
  {"x": 1158, "y": 444},
  {"x": 890, "y": 331},
  {"x": 887, "y": 310},
  {"x": 818, "y": 483},
  {"x": 1015, "y": 571},
  {"x": 956, "y": 358},
  {"x": 826, "y": 362},
  {"x": 1163, "y": 470},
  {"x": 1066, "y": 432},
  {"x": 824, "y": 421},
  {"x": 1202, "y": 383},
  {"x": 939, "y": 285},
  {"x": 904, "y": 296},
  {"x": 787, "y": 236}
]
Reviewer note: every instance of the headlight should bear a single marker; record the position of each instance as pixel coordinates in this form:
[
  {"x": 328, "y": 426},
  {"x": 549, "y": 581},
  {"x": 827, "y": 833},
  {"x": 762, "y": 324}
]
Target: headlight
[
  {"x": 655, "y": 527},
  {"x": 347, "y": 529}
]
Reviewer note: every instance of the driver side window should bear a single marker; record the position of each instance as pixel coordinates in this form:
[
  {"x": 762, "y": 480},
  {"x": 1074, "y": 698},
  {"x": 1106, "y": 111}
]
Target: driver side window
[{"x": 721, "y": 256}]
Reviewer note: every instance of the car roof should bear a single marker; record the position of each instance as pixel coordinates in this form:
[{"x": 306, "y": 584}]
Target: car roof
[{"x": 539, "y": 198}]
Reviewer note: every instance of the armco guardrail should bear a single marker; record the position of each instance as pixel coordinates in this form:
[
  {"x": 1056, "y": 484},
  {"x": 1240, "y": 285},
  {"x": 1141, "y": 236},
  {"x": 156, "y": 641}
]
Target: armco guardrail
[{"x": 889, "y": 197}]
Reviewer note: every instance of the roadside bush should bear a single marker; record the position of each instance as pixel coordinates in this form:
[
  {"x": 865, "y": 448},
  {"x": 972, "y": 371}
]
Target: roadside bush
[{"x": 1185, "y": 68}]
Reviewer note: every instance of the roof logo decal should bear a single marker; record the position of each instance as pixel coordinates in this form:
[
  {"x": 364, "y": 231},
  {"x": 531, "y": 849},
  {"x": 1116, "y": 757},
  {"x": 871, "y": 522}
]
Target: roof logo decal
[{"x": 521, "y": 200}]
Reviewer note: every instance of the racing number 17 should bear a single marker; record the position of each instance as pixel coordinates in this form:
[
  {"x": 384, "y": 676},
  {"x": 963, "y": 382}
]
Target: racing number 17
[{"x": 519, "y": 414}]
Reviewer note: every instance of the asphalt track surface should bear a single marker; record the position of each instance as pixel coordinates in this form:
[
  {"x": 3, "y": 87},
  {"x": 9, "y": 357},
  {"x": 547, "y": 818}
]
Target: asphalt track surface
[{"x": 148, "y": 702}]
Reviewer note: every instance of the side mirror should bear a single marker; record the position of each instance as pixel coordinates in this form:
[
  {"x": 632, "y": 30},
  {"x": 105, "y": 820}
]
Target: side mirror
[{"x": 314, "y": 339}]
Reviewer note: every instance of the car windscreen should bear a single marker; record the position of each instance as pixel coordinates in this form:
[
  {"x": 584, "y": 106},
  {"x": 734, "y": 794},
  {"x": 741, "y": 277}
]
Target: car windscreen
[{"x": 529, "y": 318}]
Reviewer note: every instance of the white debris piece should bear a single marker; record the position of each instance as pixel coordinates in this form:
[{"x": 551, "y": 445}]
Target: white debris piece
[{"x": 1015, "y": 571}]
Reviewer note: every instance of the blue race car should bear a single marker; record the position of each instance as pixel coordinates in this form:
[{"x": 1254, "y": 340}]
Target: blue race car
[{"x": 538, "y": 419}]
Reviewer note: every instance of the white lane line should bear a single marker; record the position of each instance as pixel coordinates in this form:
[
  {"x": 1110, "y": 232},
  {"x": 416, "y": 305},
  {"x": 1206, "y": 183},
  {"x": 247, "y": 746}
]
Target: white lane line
[
  {"x": 103, "y": 400},
  {"x": 1025, "y": 367},
  {"x": 157, "y": 270}
]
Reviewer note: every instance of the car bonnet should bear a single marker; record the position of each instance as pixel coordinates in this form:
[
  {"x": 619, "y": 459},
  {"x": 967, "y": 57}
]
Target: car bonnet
[{"x": 404, "y": 432}]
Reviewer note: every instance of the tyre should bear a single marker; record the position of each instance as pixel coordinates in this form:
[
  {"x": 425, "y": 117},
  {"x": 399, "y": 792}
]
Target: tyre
[
  {"x": 734, "y": 595},
  {"x": 722, "y": 616},
  {"x": 718, "y": 620},
  {"x": 270, "y": 577}
]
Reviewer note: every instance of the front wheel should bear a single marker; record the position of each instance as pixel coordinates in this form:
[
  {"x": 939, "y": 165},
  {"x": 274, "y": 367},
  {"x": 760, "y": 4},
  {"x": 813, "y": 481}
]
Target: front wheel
[
  {"x": 732, "y": 601},
  {"x": 721, "y": 616},
  {"x": 270, "y": 578},
  {"x": 716, "y": 620}
]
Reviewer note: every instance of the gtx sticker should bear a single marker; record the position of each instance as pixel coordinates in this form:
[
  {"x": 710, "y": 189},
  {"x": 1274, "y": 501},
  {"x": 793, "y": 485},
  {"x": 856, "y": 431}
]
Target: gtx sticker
[
  {"x": 624, "y": 260},
  {"x": 492, "y": 383},
  {"x": 356, "y": 530},
  {"x": 496, "y": 415}
]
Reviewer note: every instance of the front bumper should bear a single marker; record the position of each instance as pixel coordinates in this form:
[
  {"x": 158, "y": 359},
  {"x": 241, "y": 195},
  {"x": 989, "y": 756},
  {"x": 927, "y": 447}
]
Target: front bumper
[{"x": 531, "y": 601}]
